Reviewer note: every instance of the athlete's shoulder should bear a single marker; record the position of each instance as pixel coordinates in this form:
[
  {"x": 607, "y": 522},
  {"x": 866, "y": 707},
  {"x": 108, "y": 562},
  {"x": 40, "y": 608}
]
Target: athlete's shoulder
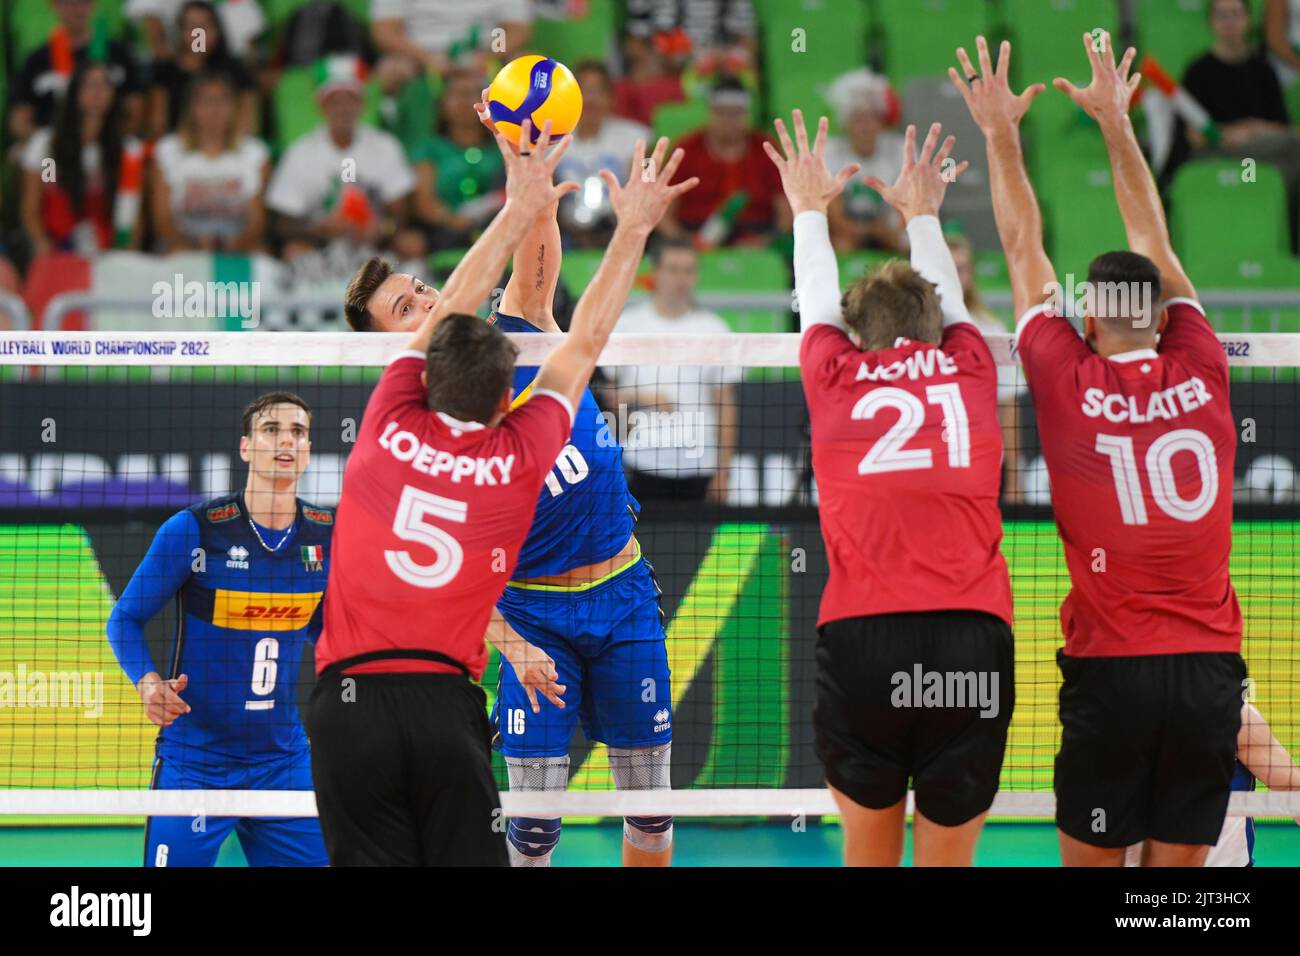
[{"x": 217, "y": 510}]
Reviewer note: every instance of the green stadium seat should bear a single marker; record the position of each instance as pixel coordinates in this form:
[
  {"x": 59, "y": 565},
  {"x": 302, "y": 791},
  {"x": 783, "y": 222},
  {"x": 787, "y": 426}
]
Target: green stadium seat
[
  {"x": 747, "y": 271},
  {"x": 577, "y": 268},
  {"x": 1175, "y": 32},
  {"x": 573, "y": 40},
  {"x": 854, "y": 265},
  {"x": 831, "y": 41},
  {"x": 1292, "y": 94},
  {"x": 1076, "y": 193},
  {"x": 912, "y": 45},
  {"x": 1220, "y": 221},
  {"x": 991, "y": 272},
  {"x": 442, "y": 262},
  {"x": 1047, "y": 39},
  {"x": 676, "y": 120}
]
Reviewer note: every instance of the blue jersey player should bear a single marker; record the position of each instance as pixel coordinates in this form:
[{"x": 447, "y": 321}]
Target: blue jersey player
[
  {"x": 581, "y": 616},
  {"x": 248, "y": 573}
]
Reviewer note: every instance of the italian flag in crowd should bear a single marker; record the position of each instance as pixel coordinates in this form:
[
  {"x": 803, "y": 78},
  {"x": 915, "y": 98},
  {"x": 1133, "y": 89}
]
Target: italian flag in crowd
[{"x": 1164, "y": 101}]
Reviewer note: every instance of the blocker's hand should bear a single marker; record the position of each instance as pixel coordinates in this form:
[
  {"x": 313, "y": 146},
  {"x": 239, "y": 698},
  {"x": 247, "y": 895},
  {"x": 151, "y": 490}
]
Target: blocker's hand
[
  {"x": 923, "y": 182},
  {"x": 161, "y": 698},
  {"x": 988, "y": 93},
  {"x": 642, "y": 201},
  {"x": 529, "y": 170},
  {"x": 808, "y": 184},
  {"x": 1111, "y": 90}
]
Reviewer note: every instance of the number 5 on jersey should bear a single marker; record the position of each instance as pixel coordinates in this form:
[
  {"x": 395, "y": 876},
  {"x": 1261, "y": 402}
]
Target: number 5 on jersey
[{"x": 411, "y": 523}]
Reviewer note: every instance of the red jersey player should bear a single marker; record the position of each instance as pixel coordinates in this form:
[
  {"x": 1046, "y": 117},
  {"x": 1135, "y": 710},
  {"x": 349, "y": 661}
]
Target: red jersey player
[
  {"x": 1139, "y": 441},
  {"x": 914, "y": 658},
  {"x": 437, "y": 498}
]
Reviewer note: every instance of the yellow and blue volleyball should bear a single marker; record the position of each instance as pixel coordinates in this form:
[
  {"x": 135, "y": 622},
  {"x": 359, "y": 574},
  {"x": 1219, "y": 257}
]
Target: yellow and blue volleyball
[{"x": 535, "y": 88}]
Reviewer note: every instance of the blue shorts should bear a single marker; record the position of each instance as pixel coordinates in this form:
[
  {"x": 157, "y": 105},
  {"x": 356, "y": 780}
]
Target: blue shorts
[
  {"x": 267, "y": 841},
  {"x": 608, "y": 644}
]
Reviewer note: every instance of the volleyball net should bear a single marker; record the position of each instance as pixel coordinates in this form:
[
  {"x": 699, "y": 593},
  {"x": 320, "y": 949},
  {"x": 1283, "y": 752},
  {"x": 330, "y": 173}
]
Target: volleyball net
[{"x": 104, "y": 436}]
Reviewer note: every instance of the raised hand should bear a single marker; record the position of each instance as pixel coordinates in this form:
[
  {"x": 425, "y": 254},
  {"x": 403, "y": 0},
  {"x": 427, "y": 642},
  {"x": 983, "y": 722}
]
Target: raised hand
[
  {"x": 1111, "y": 90},
  {"x": 808, "y": 184},
  {"x": 988, "y": 96},
  {"x": 642, "y": 202},
  {"x": 529, "y": 170},
  {"x": 920, "y": 187}
]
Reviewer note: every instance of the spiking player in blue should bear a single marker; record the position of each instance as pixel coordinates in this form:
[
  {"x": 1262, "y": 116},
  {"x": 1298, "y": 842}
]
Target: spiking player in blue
[
  {"x": 581, "y": 618},
  {"x": 248, "y": 573}
]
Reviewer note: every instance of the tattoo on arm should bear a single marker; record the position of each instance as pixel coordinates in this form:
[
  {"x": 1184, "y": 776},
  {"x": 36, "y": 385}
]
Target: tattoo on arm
[{"x": 541, "y": 267}]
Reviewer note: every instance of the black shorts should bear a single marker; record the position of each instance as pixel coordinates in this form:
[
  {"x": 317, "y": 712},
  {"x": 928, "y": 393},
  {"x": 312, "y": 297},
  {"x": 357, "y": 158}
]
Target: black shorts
[
  {"x": 403, "y": 774},
  {"x": 1147, "y": 747},
  {"x": 925, "y": 698}
]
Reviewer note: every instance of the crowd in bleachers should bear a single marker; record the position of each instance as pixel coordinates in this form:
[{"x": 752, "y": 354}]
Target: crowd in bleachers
[{"x": 320, "y": 131}]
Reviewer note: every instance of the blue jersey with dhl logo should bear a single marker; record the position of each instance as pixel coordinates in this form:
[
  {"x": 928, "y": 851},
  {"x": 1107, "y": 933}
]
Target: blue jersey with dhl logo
[
  {"x": 244, "y": 615},
  {"x": 585, "y": 514}
]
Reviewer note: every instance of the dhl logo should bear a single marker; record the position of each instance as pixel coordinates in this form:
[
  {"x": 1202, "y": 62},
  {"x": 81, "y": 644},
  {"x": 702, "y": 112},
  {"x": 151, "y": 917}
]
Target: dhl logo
[{"x": 264, "y": 611}]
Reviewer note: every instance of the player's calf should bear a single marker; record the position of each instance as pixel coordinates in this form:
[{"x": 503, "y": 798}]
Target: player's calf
[
  {"x": 530, "y": 841},
  {"x": 644, "y": 768}
]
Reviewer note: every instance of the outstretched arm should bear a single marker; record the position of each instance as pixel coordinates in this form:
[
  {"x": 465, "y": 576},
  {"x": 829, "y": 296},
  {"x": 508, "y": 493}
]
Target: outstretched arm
[
  {"x": 1106, "y": 99},
  {"x": 997, "y": 112},
  {"x": 639, "y": 206},
  {"x": 1263, "y": 754},
  {"x": 529, "y": 190}
]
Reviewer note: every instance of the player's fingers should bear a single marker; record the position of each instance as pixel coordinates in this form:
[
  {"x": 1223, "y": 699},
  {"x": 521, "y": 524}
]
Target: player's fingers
[
  {"x": 674, "y": 161},
  {"x": 178, "y": 684},
  {"x": 955, "y": 78},
  {"x": 845, "y": 174},
  {"x": 944, "y": 150},
  {"x": 931, "y": 141},
  {"x": 1031, "y": 92},
  {"x": 563, "y": 189},
  {"x": 1004, "y": 60},
  {"x": 525, "y": 137},
  {"x": 1093, "y": 58},
  {"x": 800, "y": 132},
  {"x": 819, "y": 144},
  {"x": 784, "y": 138},
  {"x": 638, "y": 160},
  {"x": 876, "y": 183},
  {"x": 553, "y": 692},
  {"x": 1134, "y": 82},
  {"x": 777, "y": 159},
  {"x": 544, "y": 141},
  {"x": 958, "y": 170},
  {"x": 683, "y": 187},
  {"x": 1066, "y": 87},
  {"x": 909, "y": 148},
  {"x": 560, "y": 149},
  {"x": 661, "y": 150},
  {"x": 1127, "y": 63},
  {"x": 968, "y": 70},
  {"x": 532, "y": 698},
  {"x": 1107, "y": 51},
  {"x": 982, "y": 50},
  {"x": 611, "y": 183}
]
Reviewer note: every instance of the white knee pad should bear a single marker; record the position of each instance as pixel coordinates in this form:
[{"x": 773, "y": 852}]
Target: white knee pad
[
  {"x": 531, "y": 840},
  {"x": 644, "y": 768}
]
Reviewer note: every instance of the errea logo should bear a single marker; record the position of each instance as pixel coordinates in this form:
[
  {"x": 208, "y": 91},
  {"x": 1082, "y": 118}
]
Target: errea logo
[
  {"x": 237, "y": 557},
  {"x": 661, "y": 720}
]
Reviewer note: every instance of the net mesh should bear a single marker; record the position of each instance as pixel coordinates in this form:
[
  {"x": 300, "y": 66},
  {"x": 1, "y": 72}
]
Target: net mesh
[{"x": 103, "y": 437}]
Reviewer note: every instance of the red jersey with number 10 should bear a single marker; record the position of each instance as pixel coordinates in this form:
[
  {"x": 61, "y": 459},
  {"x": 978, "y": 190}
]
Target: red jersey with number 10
[
  {"x": 907, "y": 452},
  {"x": 1140, "y": 449},
  {"x": 429, "y": 527}
]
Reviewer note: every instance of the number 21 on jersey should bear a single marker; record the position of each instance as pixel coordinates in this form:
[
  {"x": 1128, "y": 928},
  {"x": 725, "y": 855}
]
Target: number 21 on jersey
[{"x": 889, "y": 452}]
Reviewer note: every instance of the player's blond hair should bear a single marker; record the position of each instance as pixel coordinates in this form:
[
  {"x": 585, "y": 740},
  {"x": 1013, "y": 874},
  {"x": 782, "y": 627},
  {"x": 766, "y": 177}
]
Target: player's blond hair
[{"x": 892, "y": 301}]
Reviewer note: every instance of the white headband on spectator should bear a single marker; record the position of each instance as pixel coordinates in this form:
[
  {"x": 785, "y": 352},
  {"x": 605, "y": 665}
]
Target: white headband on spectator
[{"x": 729, "y": 98}]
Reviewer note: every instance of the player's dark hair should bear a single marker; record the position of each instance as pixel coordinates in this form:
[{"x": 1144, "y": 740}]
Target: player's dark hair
[
  {"x": 1136, "y": 272},
  {"x": 356, "y": 299},
  {"x": 260, "y": 404},
  {"x": 470, "y": 366},
  {"x": 668, "y": 245},
  {"x": 891, "y": 301}
]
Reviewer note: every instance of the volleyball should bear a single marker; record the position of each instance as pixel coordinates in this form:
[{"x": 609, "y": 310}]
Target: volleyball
[{"x": 535, "y": 88}]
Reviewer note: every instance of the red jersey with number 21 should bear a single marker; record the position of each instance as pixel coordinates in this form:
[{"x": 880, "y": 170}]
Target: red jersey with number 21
[
  {"x": 1140, "y": 449},
  {"x": 907, "y": 452},
  {"x": 429, "y": 527}
]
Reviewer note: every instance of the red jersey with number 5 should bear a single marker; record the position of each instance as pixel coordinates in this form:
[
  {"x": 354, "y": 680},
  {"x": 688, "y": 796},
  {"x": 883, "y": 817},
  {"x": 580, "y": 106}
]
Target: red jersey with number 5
[
  {"x": 1140, "y": 449},
  {"x": 433, "y": 513},
  {"x": 907, "y": 453}
]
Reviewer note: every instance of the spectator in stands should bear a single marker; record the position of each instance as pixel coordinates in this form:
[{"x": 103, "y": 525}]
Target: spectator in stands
[
  {"x": 82, "y": 178},
  {"x": 739, "y": 199},
  {"x": 1236, "y": 84},
  {"x": 1282, "y": 37},
  {"x": 1011, "y": 381},
  {"x": 207, "y": 191},
  {"x": 459, "y": 174},
  {"x": 716, "y": 30},
  {"x": 200, "y": 48},
  {"x": 681, "y": 446},
  {"x": 653, "y": 61},
  {"x": 343, "y": 185},
  {"x": 859, "y": 218},
  {"x": 242, "y": 22},
  {"x": 435, "y": 33},
  {"x": 43, "y": 78},
  {"x": 601, "y": 141}
]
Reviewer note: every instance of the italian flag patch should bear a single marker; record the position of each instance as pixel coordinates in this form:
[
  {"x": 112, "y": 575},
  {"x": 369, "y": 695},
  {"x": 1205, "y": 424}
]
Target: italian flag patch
[{"x": 313, "y": 552}]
